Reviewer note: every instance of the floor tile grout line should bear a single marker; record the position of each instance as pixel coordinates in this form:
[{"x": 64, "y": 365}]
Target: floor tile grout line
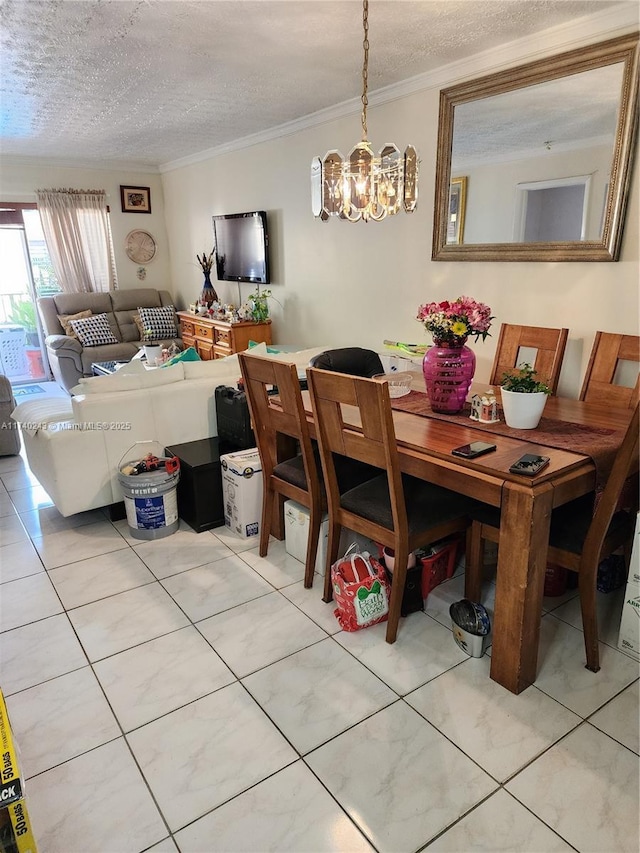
[{"x": 583, "y": 720}]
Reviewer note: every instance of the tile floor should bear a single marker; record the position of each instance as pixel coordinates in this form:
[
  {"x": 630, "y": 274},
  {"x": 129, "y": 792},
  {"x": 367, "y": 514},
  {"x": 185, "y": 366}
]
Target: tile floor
[{"x": 185, "y": 694}]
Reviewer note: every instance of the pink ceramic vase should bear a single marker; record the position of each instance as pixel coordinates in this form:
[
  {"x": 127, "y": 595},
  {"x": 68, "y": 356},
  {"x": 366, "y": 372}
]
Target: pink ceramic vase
[{"x": 448, "y": 371}]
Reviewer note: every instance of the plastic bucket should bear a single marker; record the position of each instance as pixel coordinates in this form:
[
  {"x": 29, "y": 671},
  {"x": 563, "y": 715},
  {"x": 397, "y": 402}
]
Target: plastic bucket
[{"x": 150, "y": 500}]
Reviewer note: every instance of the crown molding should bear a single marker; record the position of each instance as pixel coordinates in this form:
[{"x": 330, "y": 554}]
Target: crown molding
[
  {"x": 91, "y": 165},
  {"x": 609, "y": 23}
]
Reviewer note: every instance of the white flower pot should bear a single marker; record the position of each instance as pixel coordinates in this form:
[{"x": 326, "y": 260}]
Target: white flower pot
[
  {"x": 153, "y": 353},
  {"x": 523, "y": 411}
]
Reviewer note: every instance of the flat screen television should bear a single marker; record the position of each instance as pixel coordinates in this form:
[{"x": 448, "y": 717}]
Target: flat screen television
[{"x": 242, "y": 247}]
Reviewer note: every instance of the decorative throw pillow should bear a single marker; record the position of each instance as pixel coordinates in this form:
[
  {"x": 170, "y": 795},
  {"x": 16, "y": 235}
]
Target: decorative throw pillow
[
  {"x": 65, "y": 321},
  {"x": 160, "y": 322},
  {"x": 94, "y": 331},
  {"x": 188, "y": 354},
  {"x": 139, "y": 326}
]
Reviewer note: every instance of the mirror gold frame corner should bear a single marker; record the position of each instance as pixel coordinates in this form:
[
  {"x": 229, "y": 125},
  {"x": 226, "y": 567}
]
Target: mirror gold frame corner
[{"x": 623, "y": 49}]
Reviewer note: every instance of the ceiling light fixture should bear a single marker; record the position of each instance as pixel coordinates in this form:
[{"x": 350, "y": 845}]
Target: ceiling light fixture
[{"x": 365, "y": 186}]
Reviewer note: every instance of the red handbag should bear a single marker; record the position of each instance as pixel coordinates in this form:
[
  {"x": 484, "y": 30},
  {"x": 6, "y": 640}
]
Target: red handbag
[{"x": 361, "y": 591}]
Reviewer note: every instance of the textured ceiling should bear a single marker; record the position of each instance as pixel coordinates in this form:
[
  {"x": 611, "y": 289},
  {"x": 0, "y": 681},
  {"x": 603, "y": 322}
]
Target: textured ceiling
[{"x": 152, "y": 81}]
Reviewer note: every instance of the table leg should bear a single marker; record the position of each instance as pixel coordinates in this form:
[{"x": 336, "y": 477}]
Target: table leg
[{"x": 522, "y": 560}]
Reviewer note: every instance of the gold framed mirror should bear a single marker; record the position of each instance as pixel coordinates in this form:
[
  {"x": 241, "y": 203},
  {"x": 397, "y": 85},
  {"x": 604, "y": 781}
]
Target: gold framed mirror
[{"x": 545, "y": 151}]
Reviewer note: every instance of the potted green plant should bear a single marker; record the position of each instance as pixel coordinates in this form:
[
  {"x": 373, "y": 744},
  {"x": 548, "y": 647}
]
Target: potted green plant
[
  {"x": 152, "y": 348},
  {"x": 523, "y": 397},
  {"x": 23, "y": 313}
]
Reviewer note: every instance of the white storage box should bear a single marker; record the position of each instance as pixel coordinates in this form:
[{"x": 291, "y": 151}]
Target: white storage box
[
  {"x": 296, "y": 534},
  {"x": 629, "y": 636},
  {"x": 242, "y": 491}
]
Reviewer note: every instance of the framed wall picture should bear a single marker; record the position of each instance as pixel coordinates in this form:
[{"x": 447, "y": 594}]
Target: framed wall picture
[
  {"x": 135, "y": 199},
  {"x": 457, "y": 209}
]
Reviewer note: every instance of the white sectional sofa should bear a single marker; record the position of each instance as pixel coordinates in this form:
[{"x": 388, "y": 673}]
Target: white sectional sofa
[{"x": 75, "y": 447}]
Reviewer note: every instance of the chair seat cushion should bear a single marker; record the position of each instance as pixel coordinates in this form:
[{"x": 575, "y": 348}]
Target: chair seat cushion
[
  {"x": 292, "y": 471},
  {"x": 569, "y": 523},
  {"x": 350, "y": 472},
  {"x": 425, "y": 502}
]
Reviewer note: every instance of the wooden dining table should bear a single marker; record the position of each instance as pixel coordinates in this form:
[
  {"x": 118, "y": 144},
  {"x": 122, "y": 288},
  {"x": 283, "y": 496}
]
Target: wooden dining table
[{"x": 425, "y": 443}]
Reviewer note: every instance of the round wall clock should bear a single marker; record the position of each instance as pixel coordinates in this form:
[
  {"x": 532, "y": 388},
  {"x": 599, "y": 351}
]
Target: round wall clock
[{"x": 140, "y": 246}]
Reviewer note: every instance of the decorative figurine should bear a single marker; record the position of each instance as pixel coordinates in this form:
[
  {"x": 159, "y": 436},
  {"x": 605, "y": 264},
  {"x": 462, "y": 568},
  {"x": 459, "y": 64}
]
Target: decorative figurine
[{"x": 484, "y": 408}]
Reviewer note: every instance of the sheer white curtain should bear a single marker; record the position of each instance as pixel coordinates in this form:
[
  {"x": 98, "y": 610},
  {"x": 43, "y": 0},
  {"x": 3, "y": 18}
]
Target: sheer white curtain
[{"x": 78, "y": 236}]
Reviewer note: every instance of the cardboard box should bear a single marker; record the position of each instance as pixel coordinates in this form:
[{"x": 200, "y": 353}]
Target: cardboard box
[
  {"x": 10, "y": 782},
  {"x": 16, "y": 835},
  {"x": 242, "y": 491},
  {"x": 629, "y": 636}
]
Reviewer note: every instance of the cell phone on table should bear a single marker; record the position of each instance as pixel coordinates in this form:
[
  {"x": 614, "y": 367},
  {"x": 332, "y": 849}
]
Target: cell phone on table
[
  {"x": 476, "y": 448},
  {"x": 529, "y": 464}
]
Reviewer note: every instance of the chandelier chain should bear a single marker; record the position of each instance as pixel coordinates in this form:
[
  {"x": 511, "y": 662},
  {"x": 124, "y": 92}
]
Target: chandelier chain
[{"x": 365, "y": 66}]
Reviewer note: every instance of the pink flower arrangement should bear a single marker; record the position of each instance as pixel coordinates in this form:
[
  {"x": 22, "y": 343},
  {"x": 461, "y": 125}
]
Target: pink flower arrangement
[{"x": 453, "y": 322}]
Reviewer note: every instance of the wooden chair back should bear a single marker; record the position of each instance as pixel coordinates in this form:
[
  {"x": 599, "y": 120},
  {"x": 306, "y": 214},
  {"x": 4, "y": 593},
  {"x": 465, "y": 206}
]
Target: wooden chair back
[
  {"x": 602, "y": 538},
  {"x": 260, "y": 375},
  {"x": 625, "y": 470},
  {"x": 373, "y": 444},
  {"x": 371, "y": 509},
  {"x": 549, "y": 343},
  {"x": 608, "y": 350},
  {"x": 273, "y": 422}
]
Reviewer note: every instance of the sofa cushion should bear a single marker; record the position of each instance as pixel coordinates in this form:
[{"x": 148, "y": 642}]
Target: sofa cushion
[
  {"x": 128, "y": 300},
  {"x": 128, "y": 324},
  {"x": 93, "y": 331},
  {"x": 125, "y": 307},
  {"x": 71, "y": 303},
  {"x": 33, "y": 415},
  {"x": 130, "y": 380},
  {"x": 218, "y": 369},
  {"x": 65, "y": 321},
  {"x": 159, "y": 323}
]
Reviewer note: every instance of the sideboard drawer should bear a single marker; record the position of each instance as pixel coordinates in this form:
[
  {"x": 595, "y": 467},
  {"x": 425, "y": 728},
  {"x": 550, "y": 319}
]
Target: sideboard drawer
[
  {"x": 223, "y": 338},
  {"x": 213, "y": 338},
  {"x": 205, "y": 332}
]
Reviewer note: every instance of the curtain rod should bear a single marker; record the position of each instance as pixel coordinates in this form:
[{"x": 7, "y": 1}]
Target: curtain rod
[{"x": 74, "y": 192}]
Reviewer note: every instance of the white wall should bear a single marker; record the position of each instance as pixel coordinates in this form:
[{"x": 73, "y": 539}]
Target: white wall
[
  {"x": 19, "y": 182},
  {"x": 491, "y": 190},
  {"x": 340, "y": 283}
]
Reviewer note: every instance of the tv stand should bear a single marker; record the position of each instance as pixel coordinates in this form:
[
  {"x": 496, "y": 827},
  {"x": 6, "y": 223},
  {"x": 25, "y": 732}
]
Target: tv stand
[{"x": 217, "y": 338}]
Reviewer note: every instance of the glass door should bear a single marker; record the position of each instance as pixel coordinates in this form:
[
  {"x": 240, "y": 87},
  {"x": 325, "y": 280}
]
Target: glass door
[{"x": 25, "y": 274}]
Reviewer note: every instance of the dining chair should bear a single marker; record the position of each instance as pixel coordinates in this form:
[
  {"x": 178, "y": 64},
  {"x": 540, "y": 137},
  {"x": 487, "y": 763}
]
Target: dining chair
[
  {"x": 297, "y": 477},
  {"x": 353, "y": 360},
  {"x": 607, "y": 352},
  {"x": 549, "y": 343},
  {"x": 583, "y": 533},
  {"x": 397, "y": 510}
]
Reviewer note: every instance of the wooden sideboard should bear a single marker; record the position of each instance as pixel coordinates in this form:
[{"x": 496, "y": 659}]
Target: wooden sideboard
[{"x": 217, "y": 338}]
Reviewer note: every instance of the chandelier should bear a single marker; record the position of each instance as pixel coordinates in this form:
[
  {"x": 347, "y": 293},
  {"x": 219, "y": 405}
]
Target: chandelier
[{"x": 364, "y": 186}]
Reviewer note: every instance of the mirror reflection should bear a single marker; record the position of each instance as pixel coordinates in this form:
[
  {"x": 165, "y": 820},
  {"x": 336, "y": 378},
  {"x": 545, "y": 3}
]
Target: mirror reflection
[{"x": 533, "y": 163}]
